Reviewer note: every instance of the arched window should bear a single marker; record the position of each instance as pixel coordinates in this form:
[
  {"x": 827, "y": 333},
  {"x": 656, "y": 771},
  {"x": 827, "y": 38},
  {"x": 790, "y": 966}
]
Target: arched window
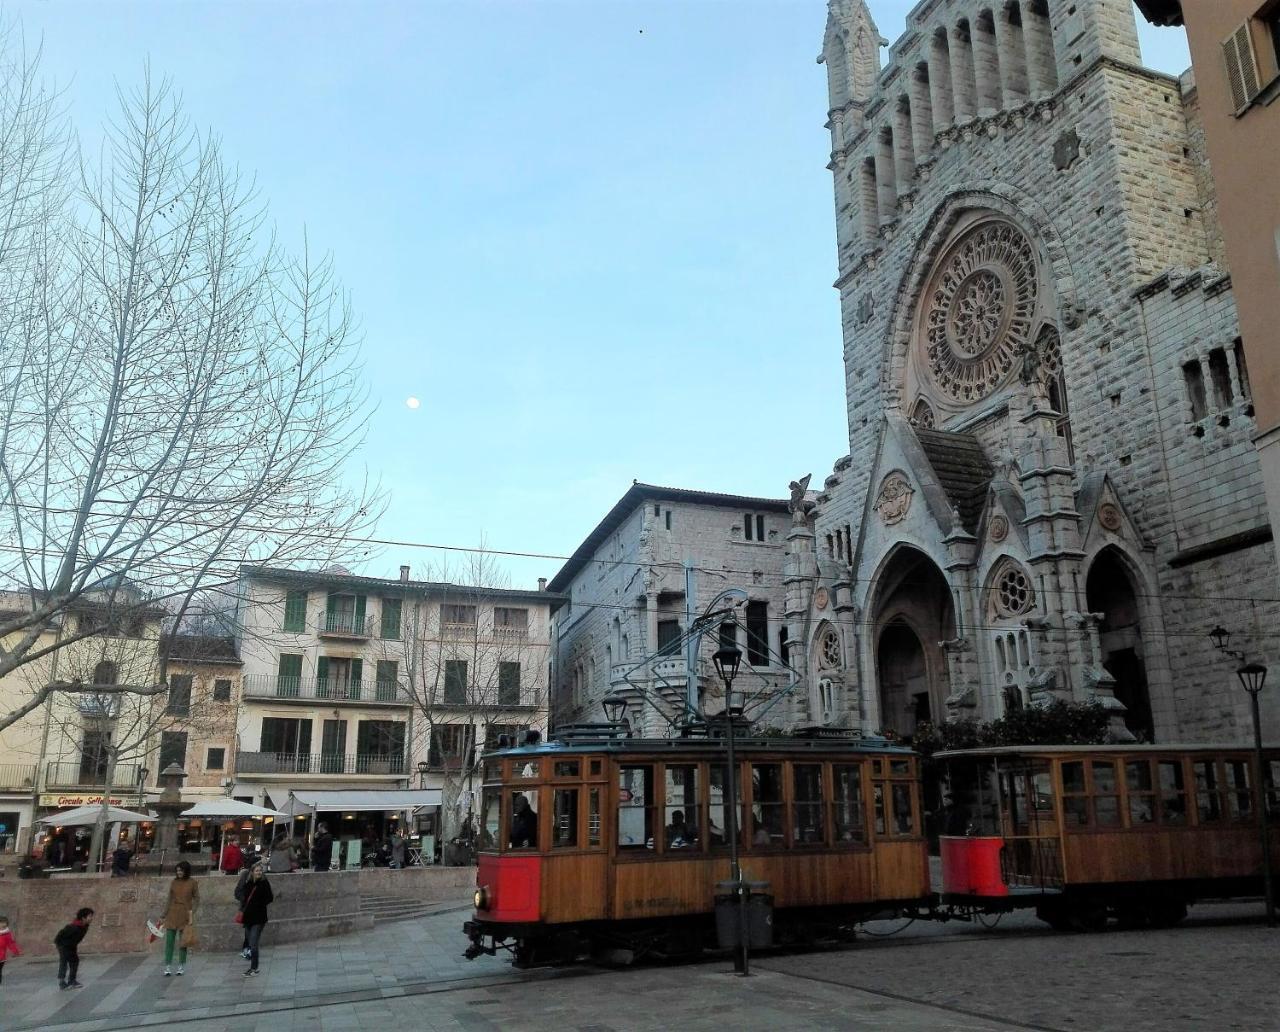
[
  {"x": 922, "y": 415},
  {"x": 105, "y": 673}
]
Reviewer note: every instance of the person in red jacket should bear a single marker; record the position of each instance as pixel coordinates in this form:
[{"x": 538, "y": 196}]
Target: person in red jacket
[
  {"x": 232, "y": 858},
  {"x": 8, "y": 944}
]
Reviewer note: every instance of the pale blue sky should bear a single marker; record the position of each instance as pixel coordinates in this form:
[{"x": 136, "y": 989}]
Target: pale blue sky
[{"x": 594, "y": 237}]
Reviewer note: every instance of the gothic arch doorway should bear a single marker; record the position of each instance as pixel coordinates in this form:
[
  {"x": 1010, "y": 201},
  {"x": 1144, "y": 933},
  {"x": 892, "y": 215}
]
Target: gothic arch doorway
[
  {"x": 913, "y": 614},
  {"x": 1109, "y": 590}
]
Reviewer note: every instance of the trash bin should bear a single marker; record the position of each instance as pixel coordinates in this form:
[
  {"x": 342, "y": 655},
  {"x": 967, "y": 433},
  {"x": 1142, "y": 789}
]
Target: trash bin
[{"x": 759, "y": 916}]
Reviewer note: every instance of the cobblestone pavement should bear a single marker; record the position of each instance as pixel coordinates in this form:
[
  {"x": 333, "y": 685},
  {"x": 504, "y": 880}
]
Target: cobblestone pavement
[{"x": 1217, "y": 972}]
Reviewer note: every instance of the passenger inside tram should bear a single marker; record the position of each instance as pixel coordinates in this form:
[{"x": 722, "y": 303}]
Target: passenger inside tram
[{"x": 524, "y": 823}]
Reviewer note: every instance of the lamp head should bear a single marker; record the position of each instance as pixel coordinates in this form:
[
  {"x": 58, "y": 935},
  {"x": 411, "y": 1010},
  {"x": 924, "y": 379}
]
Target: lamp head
[
  {"x": 727, "y": 660},
  {"x": 614, "y": 706},
  {"x": 1220, "y": 637},
  {"x": 1252, "y": 677},
  {"x": 423, "y": 766}
]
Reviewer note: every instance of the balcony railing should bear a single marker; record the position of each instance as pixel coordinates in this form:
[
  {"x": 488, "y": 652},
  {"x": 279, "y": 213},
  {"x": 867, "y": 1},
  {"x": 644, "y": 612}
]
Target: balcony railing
[
  {"x": 345, "y": 625},
  {"x": 449, "y": 629},
  {"x": 510, "y": 633},
  {"x": 76, "y": 775},
  {"x": 17, "y": 775},
  {"x": 318, "y": 763},
  {"x": 273, "y": 686}
]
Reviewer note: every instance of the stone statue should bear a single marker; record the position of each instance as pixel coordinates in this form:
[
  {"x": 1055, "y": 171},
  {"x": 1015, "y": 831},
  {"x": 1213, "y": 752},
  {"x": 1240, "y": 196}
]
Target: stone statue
[{"x": 799, "y": 488}]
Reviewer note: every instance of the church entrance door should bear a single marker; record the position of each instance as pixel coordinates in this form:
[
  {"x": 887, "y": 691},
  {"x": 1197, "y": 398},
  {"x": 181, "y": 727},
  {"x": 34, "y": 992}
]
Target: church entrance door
[{"x": 1109, "y": 590}]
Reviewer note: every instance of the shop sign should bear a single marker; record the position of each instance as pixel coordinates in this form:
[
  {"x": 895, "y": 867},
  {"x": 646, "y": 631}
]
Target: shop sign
[{"x": 65, "y": 802}]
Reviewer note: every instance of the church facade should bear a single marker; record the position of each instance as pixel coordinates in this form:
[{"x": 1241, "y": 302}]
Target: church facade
[{"x": 1050, "y": 489}]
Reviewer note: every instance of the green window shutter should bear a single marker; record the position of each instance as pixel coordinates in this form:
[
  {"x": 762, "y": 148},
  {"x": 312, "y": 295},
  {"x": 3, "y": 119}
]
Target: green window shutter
[
  {"x": 359, "y": 627},
  {"x": 322, "y": 676},
  {"x": 289, "y": 676},
  {"x": 331, "y": 604},
  {"x": 386, "y": 676},
  {"x": 391, "y": 618},
  {"x": 357, "y": 675},
  {"x": 295, "y": 611}
]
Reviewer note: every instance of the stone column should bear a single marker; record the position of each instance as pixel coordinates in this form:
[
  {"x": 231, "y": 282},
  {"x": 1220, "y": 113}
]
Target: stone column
[
  {"x": 168, "y": 806},
  {"x": 962, "y": 78},
  {"x": 940, "y": 91},
  {"x": 1013, "y": 58},
  {"x": 922, "y": 124},
  {"x": 988, "y": 87},
  {"x": 904, "y": 145},
  {"x": 886, "y": 177},
  {"x": 1042, "y": 70}
]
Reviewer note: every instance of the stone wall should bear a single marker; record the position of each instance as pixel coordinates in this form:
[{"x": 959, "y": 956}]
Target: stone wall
[{"x": 307, "y": 905}]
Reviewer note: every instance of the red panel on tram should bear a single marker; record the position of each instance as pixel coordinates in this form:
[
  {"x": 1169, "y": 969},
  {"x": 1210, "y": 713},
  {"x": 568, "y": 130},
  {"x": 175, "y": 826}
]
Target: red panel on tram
[
  {"x": 971, "y": 866},
  {"x": 514, "y": 884}
]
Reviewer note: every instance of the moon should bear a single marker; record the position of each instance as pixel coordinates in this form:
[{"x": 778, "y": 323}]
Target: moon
[{"x": 412, "y": 402}]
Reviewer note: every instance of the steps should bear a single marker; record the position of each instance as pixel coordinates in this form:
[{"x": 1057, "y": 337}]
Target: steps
[{"x": 387, "y": 909}]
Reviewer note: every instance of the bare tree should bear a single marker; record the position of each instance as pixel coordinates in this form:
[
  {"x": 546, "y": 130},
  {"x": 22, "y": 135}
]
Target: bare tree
[
  {"x": 479, "y": 671},
  {"x": 177, "y": 394}
]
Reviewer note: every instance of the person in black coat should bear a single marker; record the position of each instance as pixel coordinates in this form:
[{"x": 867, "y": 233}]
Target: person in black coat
[
  {"x": 257, "y": 897},
  {"x": 68, "y": 943},
  {"x": 322, "y": 849}
]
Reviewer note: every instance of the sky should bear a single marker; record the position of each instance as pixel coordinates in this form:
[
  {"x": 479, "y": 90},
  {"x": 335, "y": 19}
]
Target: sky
[{"x": 593, "y": 238}]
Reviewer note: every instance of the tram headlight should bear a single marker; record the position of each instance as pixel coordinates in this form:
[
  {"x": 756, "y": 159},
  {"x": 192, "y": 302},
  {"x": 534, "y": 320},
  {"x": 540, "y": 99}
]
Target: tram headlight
[{"x": 481, "y": 898}]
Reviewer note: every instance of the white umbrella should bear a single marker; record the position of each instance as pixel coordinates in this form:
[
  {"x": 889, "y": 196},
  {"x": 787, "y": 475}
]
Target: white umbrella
[
  {"x": 228, "y": 809},
  {"x": 85, "y": 816}
]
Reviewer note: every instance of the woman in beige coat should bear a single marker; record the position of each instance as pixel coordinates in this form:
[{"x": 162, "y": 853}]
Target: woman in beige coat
[{"x": 179, "y": 917}]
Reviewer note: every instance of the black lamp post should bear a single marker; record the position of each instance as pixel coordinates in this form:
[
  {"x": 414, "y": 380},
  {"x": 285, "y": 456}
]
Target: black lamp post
[
  {"x": 143, "y": 774},
  {"x": 1252, "y": 677},
  {"x": 727, "y": 660},
  {"x": 614, "y": 706},
  {"x": 423, "y": 767}
]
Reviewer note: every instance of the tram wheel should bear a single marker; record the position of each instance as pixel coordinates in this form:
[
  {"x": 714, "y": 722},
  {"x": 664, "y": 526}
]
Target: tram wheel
[
  {"x": 1089, "y": 915},
  {"x": 1165, "y": 913},
  {"x": 1055, "y": 917}
]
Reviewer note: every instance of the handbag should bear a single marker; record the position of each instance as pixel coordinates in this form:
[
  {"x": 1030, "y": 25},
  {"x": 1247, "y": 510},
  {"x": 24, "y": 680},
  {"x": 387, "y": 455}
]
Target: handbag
[{"x": 239, "y": 918}]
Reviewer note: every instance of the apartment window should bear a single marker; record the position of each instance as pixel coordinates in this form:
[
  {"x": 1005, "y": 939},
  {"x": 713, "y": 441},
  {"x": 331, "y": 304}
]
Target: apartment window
[
  {"x": 95, "y": 748},
  {"x": 451, "y": 746},
  {"x": 179, "y": 703},
  {"x": 657, "y": 510},
  {"x": 173, "y": 749},
  {"x": 289, "y": 675},
  {"x": 510, "y": 623},
  {"x": 344, "y": 614},
  {"x": 752, "y": 523},
  {"x": 380, "y": 738},
  {"x": 458, "y": 617},
  {"x": 105, "y": 673},
  {"x": 728, "y": 635},
  {"x": 215, "y": 759},
  {"x": 295, "y": 611},
  {"x": 1221, "y": 378},
  {"x": 390, "y": 619},
  {"x": 758, "y": 633},
  {"x": 668, "y": 519},
  {"x": 1242, "y": 69},
  {"x": 386, "y": 678},
  {"x": 508, "y": 684},
  {"x": 1194, "y": 378},
  {"x": 338, "y": 677},
  {"x": 285, "y": 735},
  {"x": 668, "y": 635},
  {"x": 455, "y": 681},
  {"x": 222, "y": 690}
]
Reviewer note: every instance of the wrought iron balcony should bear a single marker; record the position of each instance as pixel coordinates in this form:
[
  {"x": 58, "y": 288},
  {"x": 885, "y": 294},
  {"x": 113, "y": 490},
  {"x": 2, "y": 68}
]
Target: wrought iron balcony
[
  {"x": 319, "y": 763},
  {"x": 20, "y": 776},
  {"x": 328, "y": 690},
  {"x": 90, "y": 775},
  {"x": 344, "y": 625}
]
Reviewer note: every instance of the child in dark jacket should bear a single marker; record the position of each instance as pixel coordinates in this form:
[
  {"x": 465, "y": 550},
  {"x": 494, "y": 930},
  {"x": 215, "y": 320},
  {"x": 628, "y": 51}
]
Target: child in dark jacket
[
  {"x": 68, "y": 943},
  {"x": 8, "y": 944}
]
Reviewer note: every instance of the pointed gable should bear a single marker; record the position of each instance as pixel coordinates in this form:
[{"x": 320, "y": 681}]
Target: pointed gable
[{"x": 962, "y": 468}]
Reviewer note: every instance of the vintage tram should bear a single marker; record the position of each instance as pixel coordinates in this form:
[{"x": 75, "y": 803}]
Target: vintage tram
[
  {"x": 602, "y": 844},
  {"x": 598, "y": 843}
]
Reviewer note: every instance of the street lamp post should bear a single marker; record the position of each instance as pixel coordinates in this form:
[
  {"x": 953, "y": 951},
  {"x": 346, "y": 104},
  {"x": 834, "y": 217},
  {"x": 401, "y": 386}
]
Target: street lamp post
[
  {"x": 1252, "y": 677},
  {"x": 142, "y": 786},
  {"x": 727, "y": 660},
  {"x": 423, "y": 767}
]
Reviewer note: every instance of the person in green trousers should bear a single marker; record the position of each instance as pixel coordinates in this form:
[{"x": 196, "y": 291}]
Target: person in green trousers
[{"x": 179, "y": 916}]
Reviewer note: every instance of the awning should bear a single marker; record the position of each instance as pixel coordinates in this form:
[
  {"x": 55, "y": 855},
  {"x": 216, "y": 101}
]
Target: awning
[
  {"x": 228, "y": 809},
  {"x": 87, "y": 816},
  {"x": 307, "y": 801}
]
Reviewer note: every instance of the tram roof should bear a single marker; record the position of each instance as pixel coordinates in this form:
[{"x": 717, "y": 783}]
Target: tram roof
[
  {"x": 1111, "y": 749},
  {"x": 702, "y": 746}
]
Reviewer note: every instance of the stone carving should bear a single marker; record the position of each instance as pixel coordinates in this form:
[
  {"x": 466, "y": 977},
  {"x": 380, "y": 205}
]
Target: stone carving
[
  {"x": 1109, "y": 516},
  {"x": 922, "y": 415},
  {"x": 798, "y": 490},
  {"x": 866, "y": 309},
  {"x": 1066, "y": 150},
  {"x": 821, "y": 598},
  {"x": 829, "y": 651},
  {"x": 894, "y": 499},
  {"x": 998, "y": 528},
  {"x": 978, "y": 309}
]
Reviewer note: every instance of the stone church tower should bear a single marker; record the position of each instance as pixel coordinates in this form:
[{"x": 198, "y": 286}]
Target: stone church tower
[{"x": 1050, "y": 490}]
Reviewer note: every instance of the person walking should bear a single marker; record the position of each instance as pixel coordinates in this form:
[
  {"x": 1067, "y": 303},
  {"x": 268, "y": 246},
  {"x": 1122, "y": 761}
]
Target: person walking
[
  {"x": 8, "y": 944},
  {"x": 239, "y": 895},
  {"x": 321, "y": 848},
  {"x": 120, "y": 858},
  {"x": 258, "y": 897},
  {"x": 398, "y": 849},
  {"x": 179, "y": 917},
  {"x": 281, "y": 861},
  {"x": 68, "y": 942}
]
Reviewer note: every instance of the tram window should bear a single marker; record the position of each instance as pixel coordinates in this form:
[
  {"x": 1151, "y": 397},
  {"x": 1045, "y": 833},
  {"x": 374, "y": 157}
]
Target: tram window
[
  {"x": 1141, "y": 789},
  {"x": 1075, "y": 804},
  {"x": 900, "y": 768},
  {"x": 767, "y": 805},
  {"x": 524, "y": 820},
  {"x": 1208, "y": 799},
  {"x": 904, "y": 819},
  {"x": 564, "y": 811},
  {"x": 877, "y": 797},
  {"x": 568, "y": 769},
  {"x": 594, "y": 766},
  {"x": 1173, "y": 792},
  {"x": 492, "y": 770},
  {"x": 490, "y": 817},
  {"x": 526, "y": 771},
  {"x": 1106, "y": 794},
  {"x": 635, "y": 807},
  {"x": 681, "y": 817},
  {"x": 594, "y": 837},
  {"x": 807, "y": 817},
  {"x": 846, "y": 803},
  {"x": 1273, "y": 794},
  {"x": 718, "y": 812},
  {"x": 1239, "y": 795}
]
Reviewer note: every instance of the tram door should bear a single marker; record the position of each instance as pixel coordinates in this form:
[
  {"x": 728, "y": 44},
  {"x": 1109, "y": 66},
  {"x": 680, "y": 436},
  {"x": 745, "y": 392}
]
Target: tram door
[{"x": 1028, "y": 823}]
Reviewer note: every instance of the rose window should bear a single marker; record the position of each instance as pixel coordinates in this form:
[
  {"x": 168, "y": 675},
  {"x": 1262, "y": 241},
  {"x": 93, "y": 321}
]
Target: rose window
[
  {"x": 978, "y": 310},
  {"x": 1014, "y": 594},
  {"x": 829, "y": 653}
]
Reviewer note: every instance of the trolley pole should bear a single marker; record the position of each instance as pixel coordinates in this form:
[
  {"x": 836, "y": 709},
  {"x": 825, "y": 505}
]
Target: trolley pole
[{"x": 741, "y": 959}]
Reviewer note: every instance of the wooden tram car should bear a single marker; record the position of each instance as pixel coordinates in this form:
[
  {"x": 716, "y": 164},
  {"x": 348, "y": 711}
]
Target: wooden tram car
[
  {"x": 602, "y": 844},
  {"x": 1088, "y": 832},
  {"x": 626, "y": 842}
]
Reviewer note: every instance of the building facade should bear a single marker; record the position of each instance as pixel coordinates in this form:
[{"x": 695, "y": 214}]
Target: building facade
[
  {"x": 1235, "y": 54},
  {"x": 1050, "y": 490},
  {"x": 362, "y": 683},
  {"x": 621, "y": 629}
]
